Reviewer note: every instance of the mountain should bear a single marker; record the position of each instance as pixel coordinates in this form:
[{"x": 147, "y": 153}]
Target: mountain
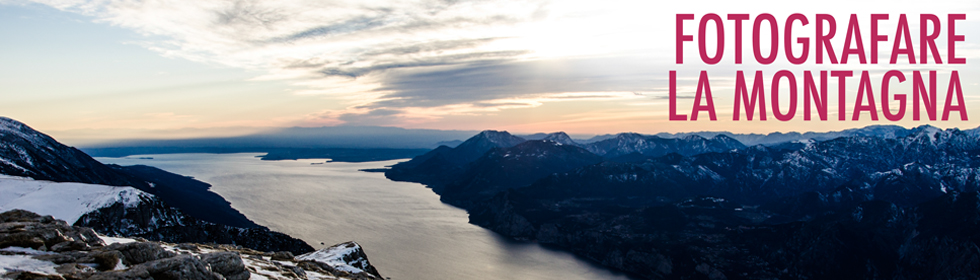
[
  {"x": 776, "y": 138},
  {"x": 695, "y": 207},
  {"x": 712, "y": 238},
  {"x": 476, "y": 146},
  {"x": 146, "y": 212},
  {"x": 503, "y": 168},
  {"x": 25, "y": 152},
  {"x": 445, "y": 165},
  {"x": 628, "y": 143},
  {"x": 761, "y": 213},
  {"x": 477, "y": 164},
  {"x": 560, "y": 137},
  {"x": 126, "y": 211},
  {"x": 975, "y": 132},
  {"x": 451, "y": 144}
]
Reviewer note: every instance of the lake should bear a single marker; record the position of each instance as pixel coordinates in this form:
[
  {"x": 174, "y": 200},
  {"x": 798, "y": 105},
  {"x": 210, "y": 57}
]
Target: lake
[{"x": 405, "y": 230}]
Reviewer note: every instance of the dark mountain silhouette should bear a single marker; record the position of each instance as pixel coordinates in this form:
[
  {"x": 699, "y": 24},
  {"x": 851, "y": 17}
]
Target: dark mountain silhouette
[
  {"x": 885, "y": 205},
  {"x": 503, "y": 168},
  {"x": 26, "y": 152}
]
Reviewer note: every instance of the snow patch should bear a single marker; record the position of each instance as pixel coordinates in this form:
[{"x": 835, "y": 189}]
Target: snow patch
[
  {"x": 334, "y": 256},
  {"x": 65, "y": 201},
  {"x": 24, "y": 251},
  {"x": 113, "y": 240},
  {"x": 25, "y": 263}
]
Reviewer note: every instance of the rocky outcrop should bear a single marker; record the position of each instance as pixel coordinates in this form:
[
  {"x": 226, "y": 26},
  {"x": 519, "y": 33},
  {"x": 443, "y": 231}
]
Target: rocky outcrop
[
  {"x": 24, "y": 229},
  {"x": 346, "y": 258},
  {"x": 153, "y": 220},
  {"x": 40, "y": 247}
]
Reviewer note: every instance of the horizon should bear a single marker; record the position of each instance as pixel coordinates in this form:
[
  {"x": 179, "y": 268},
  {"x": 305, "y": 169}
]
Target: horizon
[
  {"x": 102, "y": 142},
  {"x": 89, "y": 71}
]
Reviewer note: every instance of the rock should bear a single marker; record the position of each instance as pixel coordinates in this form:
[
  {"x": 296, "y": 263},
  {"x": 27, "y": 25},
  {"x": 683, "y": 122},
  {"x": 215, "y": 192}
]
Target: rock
[
  {"x": 188, "y": 246},
  {"x": 25, "y": 229},
  {"x": 345, "y": 259},
  {"x": 69, "y": 246},
  {"x": 182, "y": 267},
  {"x": 107, "y": 260},
  {"x": 75, "y": 271},
  {"x": 77, "y": 253},
  {"x": 297, "y": 271},
  {"x": 139, "y": 252},
  {"x": 228, "y": 264},
  {"x": 21, "y": 239},
  {"x": 282, "y": 256},
  {"x": 18, "y": 215},
  {"x": 57, "y": 258},
  {"x": 175, "y": 268},
  {"x": 27, "y": 275}
]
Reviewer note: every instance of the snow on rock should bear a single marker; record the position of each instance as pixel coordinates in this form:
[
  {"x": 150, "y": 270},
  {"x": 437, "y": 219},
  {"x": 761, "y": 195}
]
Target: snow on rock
[
  {"x": 100, "y": 257},
  {"x": 347, "y": 256},
  {"x": 64, "y": 201},
  {"x": 113, "y": 240},
  {"x": 13, "y": 263},
  {"x": 24, "y": 251},
  {"x": 18, "y": 129}
]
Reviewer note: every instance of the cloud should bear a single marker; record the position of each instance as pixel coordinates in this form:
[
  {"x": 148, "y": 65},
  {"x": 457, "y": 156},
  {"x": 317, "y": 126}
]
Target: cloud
[
  {"x": 475, "y": 82},
  {"x": 371, "y": 117},
  {"x": 406, "y": 58},
  {"x": 382, "y": 65},
  {"x": 419, "y": 60}
]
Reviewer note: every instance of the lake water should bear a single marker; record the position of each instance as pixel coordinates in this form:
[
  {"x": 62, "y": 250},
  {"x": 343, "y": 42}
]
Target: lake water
[{"x": 405, "y": 230}]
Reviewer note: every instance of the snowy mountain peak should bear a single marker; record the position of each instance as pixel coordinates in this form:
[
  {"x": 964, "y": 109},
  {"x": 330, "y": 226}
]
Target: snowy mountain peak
[
  {"x": 933, "y": 135},
  {"x": 8, "y": 123},
  {"x": 926, "y": 130},
  {"x": 560, "y": 137},
  {"x": 629, "y": 136},
  {"x": 723, "y": 137},
  {"x": 885, "y": 131},
  {"x": 347, "y": 256},
  {"x": 25, "y": 152},
  {"x": 12, "y": 129},
  {"x": 693, "y": 137},
  {"x": 974, "y": 132}
]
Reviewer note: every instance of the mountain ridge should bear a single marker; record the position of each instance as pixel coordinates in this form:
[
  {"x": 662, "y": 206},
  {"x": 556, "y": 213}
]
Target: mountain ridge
[
  {"x": 695, "y": 207},
  {"x": 25, "y": 152}
]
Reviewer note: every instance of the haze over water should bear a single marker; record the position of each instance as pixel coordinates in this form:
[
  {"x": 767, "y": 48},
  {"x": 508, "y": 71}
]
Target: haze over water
[{"x": 404, "y": 228}]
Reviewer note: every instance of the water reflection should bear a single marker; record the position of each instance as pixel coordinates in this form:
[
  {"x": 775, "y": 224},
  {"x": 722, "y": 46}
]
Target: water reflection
[{"x": 405, "y": 230}]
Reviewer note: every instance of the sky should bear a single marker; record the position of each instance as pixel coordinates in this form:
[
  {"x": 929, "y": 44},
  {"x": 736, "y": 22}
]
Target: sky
[{"x": 112, "y": 69}]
